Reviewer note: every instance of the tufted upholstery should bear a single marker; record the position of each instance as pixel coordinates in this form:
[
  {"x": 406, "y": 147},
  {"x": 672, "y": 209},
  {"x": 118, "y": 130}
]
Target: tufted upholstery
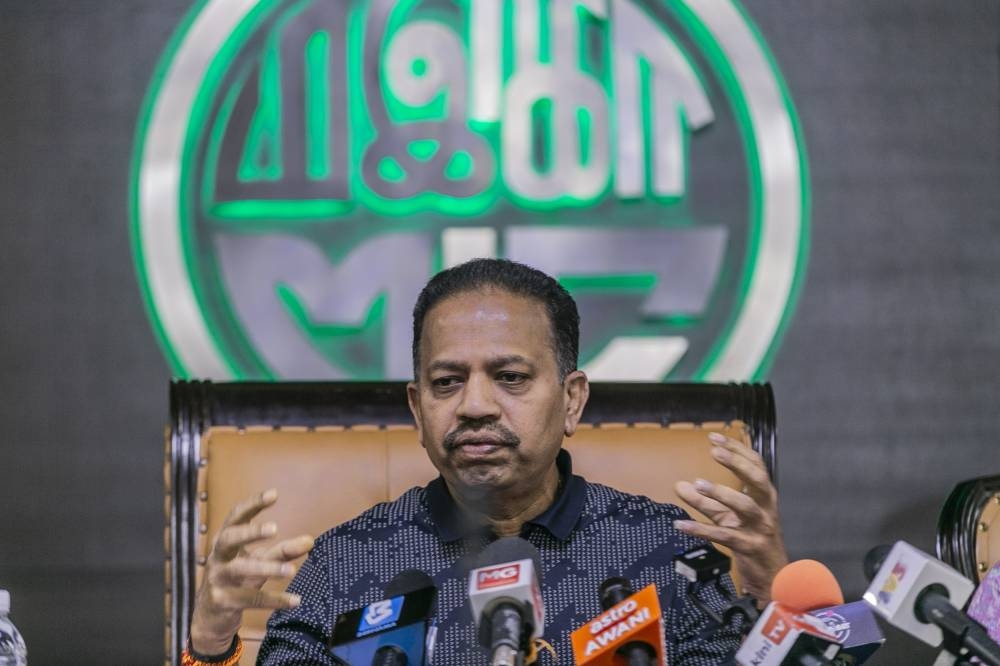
[{"x": 227, "y": 442}]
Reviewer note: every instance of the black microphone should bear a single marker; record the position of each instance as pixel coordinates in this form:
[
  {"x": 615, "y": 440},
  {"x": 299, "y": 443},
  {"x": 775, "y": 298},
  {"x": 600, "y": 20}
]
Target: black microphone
[
  {"x": 409, "y": 581},
  {"x": 874, "y": 559},
  {"x": 391, "y": 632},
  {"x": 390, "y": 655},
  {"x": 919, "y": 594},
  {"x": 628, "y": 630},
  {"x": 612, "y": 592},
  {"x": 506, "y": 600},
  {"x": 706, "y": 564}
]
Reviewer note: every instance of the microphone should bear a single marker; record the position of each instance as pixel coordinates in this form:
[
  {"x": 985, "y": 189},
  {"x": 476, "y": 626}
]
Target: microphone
[
  {"x": 809, "y": 586},
  {"x": 507, "y": 600},
  {"x": 804, "y": 585},
  {"x": 411, "y": 580},
  {"x": 985, "y": 605},
  {"x": 390, "y": 655},
  {"x": 785, "y": 635},
  {"x": 391, "y": 632},
  {"x": 702, "y": 564},
  {"x": 921, "y": 595},
  {"x": 629, "y": 631},
  {"x": 705, "y": 564}
]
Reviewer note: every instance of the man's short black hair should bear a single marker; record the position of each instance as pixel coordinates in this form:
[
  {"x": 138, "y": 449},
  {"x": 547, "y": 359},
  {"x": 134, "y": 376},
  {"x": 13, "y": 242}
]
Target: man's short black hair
[{"x": 516, "y": 279}]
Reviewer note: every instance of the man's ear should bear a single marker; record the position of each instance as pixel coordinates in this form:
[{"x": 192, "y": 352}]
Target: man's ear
[
  {"x": 413, "y": 399},
  {"x": 576, "y": 390}
]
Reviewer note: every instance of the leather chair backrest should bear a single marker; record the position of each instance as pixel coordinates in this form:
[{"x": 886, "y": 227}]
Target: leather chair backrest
[
  {"x": 328, "y": 473},
  {"x": 968, "y": 534}
]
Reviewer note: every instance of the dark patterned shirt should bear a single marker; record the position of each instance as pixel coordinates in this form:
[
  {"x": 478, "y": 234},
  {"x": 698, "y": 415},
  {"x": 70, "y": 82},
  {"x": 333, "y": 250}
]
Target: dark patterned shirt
[{"x": 589, "y": 534}]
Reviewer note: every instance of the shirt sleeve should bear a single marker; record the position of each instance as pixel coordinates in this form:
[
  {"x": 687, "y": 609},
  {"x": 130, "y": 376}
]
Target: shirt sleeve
[{"x": 299, "y": 635}]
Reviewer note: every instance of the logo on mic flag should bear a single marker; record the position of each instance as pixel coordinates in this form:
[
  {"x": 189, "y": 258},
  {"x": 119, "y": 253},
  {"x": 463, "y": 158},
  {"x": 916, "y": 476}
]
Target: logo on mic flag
[
  {"x": 836, "y": 622},
  {"x": 507, "y": 574},
  {"x": 380, "y": 615},
  {"x": 896, "y": 576}
]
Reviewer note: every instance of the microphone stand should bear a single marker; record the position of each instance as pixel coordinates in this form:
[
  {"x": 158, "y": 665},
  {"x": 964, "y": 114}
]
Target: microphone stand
[{"x": 963, "y": 636}]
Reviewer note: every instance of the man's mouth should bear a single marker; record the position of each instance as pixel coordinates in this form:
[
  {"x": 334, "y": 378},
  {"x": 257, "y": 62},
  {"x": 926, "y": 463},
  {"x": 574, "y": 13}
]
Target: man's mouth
[
  {"x": 478, "y": 447},
  {"x": 481, "y": 442}
]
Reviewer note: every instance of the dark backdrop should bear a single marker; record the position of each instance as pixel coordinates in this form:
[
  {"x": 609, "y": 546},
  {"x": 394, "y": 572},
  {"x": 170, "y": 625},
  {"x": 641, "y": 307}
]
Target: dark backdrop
[{"x": 887, "y": 383}]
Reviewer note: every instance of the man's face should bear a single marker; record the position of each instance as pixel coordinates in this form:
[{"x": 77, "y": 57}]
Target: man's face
[{"x": 488, "y": 403}]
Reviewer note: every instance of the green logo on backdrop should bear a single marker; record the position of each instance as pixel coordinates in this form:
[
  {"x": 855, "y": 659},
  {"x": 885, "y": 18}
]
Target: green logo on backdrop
[{"x": 303, "y": 167}]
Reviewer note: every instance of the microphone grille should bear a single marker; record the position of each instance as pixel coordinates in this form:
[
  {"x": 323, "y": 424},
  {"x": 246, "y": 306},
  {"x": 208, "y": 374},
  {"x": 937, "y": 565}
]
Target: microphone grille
[
  {"x": 613, "y": 591},
  {"x": 874, "y": 559},
  {"x": 510, "y": 549},
  {"x": 408, "y": 581},
  {"x": 806, "y": 585}
]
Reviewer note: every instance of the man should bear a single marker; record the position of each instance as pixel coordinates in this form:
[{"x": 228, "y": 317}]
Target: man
[{"x": 495, "y": 391}]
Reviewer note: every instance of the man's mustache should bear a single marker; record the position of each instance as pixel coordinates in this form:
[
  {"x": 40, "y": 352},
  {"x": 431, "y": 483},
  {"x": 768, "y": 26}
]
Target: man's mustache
[{"x": 501, "y": 433}]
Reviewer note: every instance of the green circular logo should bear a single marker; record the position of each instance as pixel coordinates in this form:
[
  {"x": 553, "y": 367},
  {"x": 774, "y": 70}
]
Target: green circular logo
[{"x": 303, "y": 167}]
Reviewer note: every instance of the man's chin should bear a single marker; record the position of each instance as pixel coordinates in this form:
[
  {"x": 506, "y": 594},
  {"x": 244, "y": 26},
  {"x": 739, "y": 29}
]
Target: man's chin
[
  {"x": 481, "y": 480},
  {"x": 479, "y": 453}
]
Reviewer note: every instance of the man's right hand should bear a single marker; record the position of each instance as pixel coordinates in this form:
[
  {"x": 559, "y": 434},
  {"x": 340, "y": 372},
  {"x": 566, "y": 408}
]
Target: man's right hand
[{"x": 234, "y": 575}]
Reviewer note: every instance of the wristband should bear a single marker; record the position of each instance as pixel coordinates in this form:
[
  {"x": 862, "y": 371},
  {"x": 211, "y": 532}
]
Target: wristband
[{"x": 230, "y": 657}]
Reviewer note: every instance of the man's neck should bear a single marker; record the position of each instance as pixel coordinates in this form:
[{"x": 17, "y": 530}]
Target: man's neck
[{"x": 506, "y": 515}]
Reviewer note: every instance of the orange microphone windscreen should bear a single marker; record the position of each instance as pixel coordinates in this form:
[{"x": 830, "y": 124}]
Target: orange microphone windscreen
[{"x": 806, "y": 585}]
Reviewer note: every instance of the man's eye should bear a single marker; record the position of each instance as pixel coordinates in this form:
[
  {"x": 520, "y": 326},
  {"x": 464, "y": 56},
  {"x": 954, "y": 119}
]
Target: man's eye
[
  {"x": 444, "y": 382},
  {"x": 511, "y": 377}
]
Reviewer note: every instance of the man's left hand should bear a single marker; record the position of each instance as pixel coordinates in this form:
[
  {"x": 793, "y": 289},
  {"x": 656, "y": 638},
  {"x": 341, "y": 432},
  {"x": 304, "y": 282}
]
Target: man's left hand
[{"x": 746, "y": 522}]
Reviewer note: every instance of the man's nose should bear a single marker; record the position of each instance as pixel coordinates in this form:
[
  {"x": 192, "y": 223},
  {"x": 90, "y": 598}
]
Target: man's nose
[{"x": 479, "y": 400}]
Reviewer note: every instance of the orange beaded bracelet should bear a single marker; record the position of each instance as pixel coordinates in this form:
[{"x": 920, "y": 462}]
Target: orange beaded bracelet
[{"x": 188, "y": 659}]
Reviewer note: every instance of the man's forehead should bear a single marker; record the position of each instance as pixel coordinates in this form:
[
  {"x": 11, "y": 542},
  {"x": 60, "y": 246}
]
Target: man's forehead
[
  {"x": 482, "y": 302},
  {"x": 486, "y": 310}
]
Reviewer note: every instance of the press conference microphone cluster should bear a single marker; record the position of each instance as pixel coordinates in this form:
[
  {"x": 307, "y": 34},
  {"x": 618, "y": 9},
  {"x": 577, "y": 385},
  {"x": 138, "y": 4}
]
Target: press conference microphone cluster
[
  {"x": 628, "y": 633},
  {"x": 787, "y": 635},
  {"x": 506, "y": 600},
  {"x": 922, "y": 596},
  {"x": 390, "y": 632}
]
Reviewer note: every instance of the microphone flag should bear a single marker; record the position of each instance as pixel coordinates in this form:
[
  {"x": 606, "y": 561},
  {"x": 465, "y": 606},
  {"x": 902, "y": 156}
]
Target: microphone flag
[
  {"x": 636, "y": 618},
  {"x": 399, "y": 622}
]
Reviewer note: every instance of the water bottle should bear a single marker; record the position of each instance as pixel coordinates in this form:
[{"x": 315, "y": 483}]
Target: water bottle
[{"x": 12, "y": 649}]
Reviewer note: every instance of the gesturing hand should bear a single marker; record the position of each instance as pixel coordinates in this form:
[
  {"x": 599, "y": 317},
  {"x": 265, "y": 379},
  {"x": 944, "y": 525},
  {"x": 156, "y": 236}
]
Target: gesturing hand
[
  {"x": 234, "y": 575},
  {"x": 746, "y": 522}
]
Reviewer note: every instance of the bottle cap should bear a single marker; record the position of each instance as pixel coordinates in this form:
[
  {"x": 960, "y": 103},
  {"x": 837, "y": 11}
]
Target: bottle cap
[{"x": 4, "y": 602}]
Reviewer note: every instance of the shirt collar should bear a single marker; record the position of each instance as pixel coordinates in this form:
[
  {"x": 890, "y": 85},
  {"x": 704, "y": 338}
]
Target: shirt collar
[{"x": 559, "y": 519}]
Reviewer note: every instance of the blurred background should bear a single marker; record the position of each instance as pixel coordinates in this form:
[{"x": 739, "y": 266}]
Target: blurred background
[{"x": 886, "y": 375}]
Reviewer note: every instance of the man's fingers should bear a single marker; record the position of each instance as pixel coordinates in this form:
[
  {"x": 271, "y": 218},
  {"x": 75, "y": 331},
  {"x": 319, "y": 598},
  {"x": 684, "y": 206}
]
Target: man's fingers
[
  {"x": 242, "y": 568},
  {"x": 287, "y": 549},
  {"x": 746, "y": 464},
  {"x": 726, "y": 536},
  {"x": 745, "y": 508},
  {"x": 707, "y": 506},
  {"x": 245, "y": 511},
  {"x": 234, "y": 537},
  {"x": 241, "y": 598}
]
